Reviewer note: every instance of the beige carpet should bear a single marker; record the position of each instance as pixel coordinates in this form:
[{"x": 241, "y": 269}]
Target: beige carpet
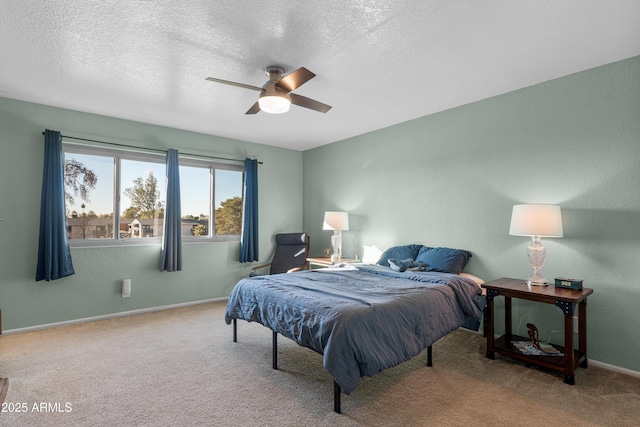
[{"x": 180, "y": 367}]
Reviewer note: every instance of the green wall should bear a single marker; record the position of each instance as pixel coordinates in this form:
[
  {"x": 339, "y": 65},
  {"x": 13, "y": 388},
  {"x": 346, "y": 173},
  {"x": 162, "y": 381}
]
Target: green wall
[
  {"x": 451, "y": 179},
  {"x": 210, "y": 270}
]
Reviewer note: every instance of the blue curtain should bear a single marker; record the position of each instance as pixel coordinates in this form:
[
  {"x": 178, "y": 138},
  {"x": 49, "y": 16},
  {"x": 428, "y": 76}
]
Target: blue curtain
[
  {"x": 54, "y": 255},
  {"x": 171, "y": 259},
  {"x": 249, "y": 242}
]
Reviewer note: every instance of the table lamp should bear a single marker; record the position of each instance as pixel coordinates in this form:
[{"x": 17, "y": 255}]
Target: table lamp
[
  {"x": 336, "y": 221},
  {"x": 536, "y": 221}
]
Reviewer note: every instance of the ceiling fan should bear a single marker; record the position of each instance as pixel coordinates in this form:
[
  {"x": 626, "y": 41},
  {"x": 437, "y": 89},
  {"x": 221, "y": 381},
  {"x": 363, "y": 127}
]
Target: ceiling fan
[{"x": 276, "y": 95}]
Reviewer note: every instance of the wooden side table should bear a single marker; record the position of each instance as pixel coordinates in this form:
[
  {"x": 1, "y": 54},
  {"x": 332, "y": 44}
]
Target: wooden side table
[
  {"x": 565, "y": 299},
  {"x": 326, "y": 261}
]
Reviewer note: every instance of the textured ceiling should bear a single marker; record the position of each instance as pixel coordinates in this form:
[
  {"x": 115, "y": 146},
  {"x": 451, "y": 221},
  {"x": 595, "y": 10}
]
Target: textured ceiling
[{"x": 377, "y": 63}]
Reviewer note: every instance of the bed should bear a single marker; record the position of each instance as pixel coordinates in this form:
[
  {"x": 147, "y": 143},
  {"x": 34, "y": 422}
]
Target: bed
[{"x": 361, "y": 318}]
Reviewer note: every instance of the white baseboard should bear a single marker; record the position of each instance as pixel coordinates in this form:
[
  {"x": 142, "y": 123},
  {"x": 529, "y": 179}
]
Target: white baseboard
[
  {"x": 614, "y": 368},
  {"x": 110, "y": 316}
]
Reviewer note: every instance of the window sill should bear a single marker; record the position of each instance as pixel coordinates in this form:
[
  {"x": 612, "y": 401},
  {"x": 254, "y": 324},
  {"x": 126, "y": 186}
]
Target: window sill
[{"x": 148, "y": 241}]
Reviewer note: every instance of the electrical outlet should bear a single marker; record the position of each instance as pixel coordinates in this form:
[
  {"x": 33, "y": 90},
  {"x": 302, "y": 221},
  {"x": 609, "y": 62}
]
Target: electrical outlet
[{"x": 575, "y": 324}]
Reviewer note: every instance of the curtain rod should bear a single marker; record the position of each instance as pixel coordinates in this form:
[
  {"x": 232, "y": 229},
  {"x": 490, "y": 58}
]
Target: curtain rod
[{"x": 149, "y": 149}]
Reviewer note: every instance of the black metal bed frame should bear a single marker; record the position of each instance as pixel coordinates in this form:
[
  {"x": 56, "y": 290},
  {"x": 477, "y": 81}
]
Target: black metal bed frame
[{"x": 336, "y": 388}]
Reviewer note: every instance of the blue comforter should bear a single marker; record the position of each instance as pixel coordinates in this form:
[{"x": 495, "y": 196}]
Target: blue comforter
[{"x": 362, "y": 319}]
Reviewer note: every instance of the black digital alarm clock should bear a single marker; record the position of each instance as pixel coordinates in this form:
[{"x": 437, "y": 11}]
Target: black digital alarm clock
[{"x": 568, "y": 283}]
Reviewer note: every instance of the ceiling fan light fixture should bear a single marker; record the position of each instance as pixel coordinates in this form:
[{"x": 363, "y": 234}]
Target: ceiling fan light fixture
[{"x": 274, "y": 104}]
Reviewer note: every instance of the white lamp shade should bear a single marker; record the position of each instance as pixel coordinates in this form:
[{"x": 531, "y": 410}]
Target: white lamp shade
[
  {"x": 536, "y": 220},
  {"x": 274, "y": 104},
  {"x": 336, "y": 221}
]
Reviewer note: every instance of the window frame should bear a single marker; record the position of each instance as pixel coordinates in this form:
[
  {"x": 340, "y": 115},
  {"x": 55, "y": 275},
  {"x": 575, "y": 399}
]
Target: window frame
[{"x": 119, "y": 154}]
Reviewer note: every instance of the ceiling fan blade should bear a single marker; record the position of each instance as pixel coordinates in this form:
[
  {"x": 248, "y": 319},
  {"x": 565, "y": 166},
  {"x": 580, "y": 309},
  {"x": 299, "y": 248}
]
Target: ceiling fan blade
[
  {"x": 255, "y": 108},
  {"x": 303, "y": 101},
  {"x": 295, "y": 79},
  {"x": 227, "y": 82}
]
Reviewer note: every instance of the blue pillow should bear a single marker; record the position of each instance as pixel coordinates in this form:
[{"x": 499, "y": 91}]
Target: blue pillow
[
  {"x": 399, "y": 252},
  {"x": 445, "y": 260}
]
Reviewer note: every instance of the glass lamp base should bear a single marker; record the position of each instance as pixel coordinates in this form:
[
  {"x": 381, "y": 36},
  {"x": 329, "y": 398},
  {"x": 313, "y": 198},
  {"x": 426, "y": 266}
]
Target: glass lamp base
[
  {"x": 537, "y": 281},
  {"x": 536, "y": 261},
  {"x": 336, "y": 243}
]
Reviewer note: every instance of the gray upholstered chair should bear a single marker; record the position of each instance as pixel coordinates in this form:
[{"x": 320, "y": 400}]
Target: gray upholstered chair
[{"x": 290, "y": 255}]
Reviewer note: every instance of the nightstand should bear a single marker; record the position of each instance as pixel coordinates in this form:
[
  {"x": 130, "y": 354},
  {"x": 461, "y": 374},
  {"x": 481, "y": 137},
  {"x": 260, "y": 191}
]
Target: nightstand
[
  {"x": 326, "y": 262},
  {"x": 564, "y": 299}
]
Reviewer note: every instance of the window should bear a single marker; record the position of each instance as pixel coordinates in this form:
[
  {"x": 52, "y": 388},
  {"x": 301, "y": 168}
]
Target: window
[
  {"x": 99, "y": 182},
  {"x": 211, "y": 198}
]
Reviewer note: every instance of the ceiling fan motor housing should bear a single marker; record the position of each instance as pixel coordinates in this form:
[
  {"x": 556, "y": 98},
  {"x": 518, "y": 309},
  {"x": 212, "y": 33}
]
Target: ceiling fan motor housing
[{"x": 270, "y": 89}]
